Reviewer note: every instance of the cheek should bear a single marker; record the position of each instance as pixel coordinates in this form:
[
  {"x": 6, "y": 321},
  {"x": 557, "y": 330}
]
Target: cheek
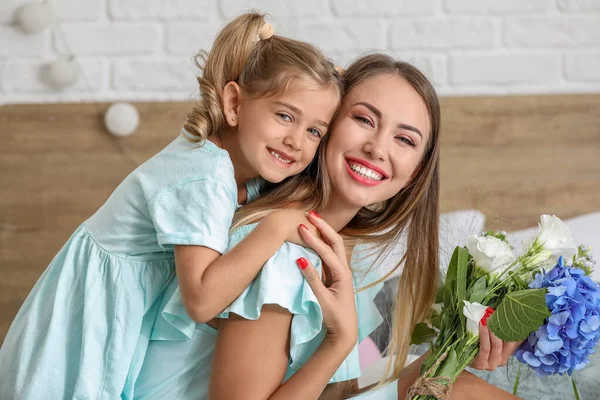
[{"x": 406, "y": 166}]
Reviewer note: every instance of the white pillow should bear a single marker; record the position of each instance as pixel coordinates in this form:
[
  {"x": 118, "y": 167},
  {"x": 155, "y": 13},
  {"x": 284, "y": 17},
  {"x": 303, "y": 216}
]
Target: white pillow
[
  {"x": 455, "y": 228},
  {"x": 585, "y": 230}
]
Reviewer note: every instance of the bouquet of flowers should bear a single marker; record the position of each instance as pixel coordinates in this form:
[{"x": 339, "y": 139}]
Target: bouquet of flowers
[{"x": 533, "y": 296}]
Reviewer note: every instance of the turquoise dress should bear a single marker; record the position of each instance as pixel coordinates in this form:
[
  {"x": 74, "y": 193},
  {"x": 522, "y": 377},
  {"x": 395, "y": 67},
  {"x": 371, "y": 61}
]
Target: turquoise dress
[
  {"x": 84, "y": 328},
  {"x": 179, "y": 358}
]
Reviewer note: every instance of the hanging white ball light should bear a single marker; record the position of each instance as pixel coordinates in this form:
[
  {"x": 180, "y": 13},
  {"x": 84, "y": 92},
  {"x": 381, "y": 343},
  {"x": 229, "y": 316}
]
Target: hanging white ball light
[
  {"x": 34, "y": 17},
  {"x": 121, "y": 119},
  {"x": 63, "y": 72}
]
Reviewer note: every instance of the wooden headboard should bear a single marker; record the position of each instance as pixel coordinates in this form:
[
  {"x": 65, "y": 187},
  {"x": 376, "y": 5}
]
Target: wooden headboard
[{"x": 512, "y": 158}]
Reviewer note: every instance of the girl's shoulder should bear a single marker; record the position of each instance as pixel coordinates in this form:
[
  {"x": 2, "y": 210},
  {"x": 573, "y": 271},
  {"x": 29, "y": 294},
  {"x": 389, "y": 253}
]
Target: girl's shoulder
[{"x": 182, "y": 162}]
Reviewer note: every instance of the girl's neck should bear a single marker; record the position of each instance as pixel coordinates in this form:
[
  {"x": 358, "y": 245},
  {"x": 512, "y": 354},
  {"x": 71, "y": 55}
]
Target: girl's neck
[{"x": 241, "y": 169}]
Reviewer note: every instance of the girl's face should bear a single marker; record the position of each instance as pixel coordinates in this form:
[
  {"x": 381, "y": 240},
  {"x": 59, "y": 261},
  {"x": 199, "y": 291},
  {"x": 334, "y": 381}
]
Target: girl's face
[
  {"x": 377, "y": 140},
  {"x": 279, "y": 135}
]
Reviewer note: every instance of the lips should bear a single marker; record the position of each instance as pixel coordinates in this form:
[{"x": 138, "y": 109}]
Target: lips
[
  {"x": 366, "y": 169},
  {"x": 370, "y": 177},
  {"x": 281, "y": 156}
]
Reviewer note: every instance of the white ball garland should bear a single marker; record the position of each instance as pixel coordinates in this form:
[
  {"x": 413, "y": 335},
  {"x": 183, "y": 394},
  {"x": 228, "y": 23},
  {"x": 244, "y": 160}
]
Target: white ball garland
[
  {"x": 35, "y": 17},
  {"x": 63, "y": 72},
  {"x": 121, "y": 119}
]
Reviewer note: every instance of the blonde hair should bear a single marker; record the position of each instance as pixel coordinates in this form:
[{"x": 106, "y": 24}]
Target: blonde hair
[
  {"x": 262, "y": 64},
  {"x": 413, "y": 211}
]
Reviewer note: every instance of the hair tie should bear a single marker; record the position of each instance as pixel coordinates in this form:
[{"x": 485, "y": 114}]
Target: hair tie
[
  {"x": 265, "y": 32},
  {"x": 339, "y": 69}
]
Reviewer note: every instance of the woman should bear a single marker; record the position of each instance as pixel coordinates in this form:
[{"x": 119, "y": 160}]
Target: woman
[{"x": 376, "y": 177}]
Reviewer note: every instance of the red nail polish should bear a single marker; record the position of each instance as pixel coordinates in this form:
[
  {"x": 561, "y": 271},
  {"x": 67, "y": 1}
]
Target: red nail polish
[
  {"x": 302, "y": 263},
  {"x": 303, "y": 226},
  {"x": 488, "y": 313},
  {"x": 314, "y": 214}
]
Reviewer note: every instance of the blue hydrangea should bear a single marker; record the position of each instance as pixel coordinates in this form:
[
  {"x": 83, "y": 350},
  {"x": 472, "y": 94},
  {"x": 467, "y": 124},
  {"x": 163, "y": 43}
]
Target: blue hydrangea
[{"x": 567, "y": 338}]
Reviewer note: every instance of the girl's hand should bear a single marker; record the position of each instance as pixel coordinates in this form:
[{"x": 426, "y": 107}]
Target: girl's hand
[
  {"x": 337, "y": 300},
  {"x": 289, "y": 219},
  {"x": 493, "y": 352}
]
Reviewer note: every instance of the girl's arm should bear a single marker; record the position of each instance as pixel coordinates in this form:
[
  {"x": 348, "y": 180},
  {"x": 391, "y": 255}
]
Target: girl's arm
[
  {"x": 251, "y": 357},
  {"x": 209, "y": 281}
]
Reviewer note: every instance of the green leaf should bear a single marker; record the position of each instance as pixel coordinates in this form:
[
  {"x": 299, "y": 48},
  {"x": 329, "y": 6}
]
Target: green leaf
[
  {"x": 449, "y": 365},
  {"x": 422, "y": 334},
  {"x": 439, "y": 295},
  {"x": 479, "y": 285},
  {"x": 450, "y": 282},
  {"x": 516, "y": 385},
  {"x": 519, "y": 314},
  {"x": 462, "y": 266},
  {"x": 478, "y": 290},
  {"x": 436, "y": 321}
]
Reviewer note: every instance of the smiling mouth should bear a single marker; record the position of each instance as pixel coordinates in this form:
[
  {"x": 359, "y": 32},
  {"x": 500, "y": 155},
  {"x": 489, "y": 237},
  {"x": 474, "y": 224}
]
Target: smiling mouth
[
  {"x": 365, "y": 172},
  {"x": 281, "y": 157}
]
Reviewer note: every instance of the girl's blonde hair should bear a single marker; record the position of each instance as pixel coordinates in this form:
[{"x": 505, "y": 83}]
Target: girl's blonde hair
[
  {"x": 260, "y": 64},
  {"x": 414, "y": 211}
]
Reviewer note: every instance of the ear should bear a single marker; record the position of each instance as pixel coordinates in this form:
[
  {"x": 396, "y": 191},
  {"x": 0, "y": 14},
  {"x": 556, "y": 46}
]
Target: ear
[{"x": 232, "y": 100}]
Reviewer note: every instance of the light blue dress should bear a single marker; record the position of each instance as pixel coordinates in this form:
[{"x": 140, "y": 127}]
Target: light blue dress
[
  {"x": 83, "y": 330},
  {"x": 179, "y": 358}
]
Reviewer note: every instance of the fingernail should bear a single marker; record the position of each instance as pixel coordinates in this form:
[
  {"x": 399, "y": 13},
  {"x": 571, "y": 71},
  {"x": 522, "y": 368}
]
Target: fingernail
[
  {"x": 314, "y": 214},
  {"x": 488, "y": 313},
  {"x": 302, "y": 263},
  {"x": 303, "y": 226}
]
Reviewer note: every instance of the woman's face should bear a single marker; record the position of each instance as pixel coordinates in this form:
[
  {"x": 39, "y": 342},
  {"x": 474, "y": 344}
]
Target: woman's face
[{"x": 377, "y": 140}]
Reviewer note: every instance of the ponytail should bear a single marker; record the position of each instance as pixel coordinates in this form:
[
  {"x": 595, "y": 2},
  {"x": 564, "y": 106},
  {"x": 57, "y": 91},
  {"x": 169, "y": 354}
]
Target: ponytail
[{"x": 247, "y": 52}]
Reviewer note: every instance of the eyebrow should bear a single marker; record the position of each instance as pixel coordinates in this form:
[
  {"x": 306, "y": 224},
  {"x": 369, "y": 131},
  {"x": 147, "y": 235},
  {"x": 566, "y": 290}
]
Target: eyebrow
[
  {"x": 298, "y": 111},
  {"x": 379, "y": 115}
]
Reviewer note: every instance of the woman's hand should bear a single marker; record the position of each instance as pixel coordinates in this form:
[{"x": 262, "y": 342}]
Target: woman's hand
[
  {"x": 337, "y": 300},
  {"x": 493, "y": 352}
]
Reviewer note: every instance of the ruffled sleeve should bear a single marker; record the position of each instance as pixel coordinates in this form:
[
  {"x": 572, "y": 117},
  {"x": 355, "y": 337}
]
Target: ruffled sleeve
[
  {"x": 197, "y": 212},
  {"x": 281, "y": 282}
]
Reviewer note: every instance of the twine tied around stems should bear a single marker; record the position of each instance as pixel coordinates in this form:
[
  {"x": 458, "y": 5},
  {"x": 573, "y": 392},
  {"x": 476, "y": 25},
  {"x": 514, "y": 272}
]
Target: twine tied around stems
[{"x": 431, "y": 386}]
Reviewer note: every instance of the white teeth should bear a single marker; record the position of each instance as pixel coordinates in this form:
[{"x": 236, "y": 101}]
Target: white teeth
[
  {"x": 277, "y": 156},
  {"x": 366, "y": 172}
]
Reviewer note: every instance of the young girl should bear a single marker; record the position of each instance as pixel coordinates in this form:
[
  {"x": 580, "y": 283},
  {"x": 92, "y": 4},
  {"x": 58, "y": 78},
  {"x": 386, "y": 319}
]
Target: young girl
[
  {"x": 82, "y": 332},
  {"x": 376, "y": 176}
]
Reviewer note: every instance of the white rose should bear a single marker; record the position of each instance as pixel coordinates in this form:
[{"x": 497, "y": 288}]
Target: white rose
[
  {"x": 555, "y": 238},
  {"x": 474, "y": 312},
  {"x": 490, "y": 253}
]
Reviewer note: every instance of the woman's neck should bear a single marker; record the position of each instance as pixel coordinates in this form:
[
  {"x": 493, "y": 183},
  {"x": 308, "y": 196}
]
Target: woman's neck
[{"x": 338, "y": 213}]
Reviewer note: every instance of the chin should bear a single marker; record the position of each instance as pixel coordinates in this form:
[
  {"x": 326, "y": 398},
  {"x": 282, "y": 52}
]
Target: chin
[{"x": 271, "y": 177}]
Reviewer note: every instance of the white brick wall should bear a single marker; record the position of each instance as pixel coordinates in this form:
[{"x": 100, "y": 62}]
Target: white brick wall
[{"x": 142, "y": 49}]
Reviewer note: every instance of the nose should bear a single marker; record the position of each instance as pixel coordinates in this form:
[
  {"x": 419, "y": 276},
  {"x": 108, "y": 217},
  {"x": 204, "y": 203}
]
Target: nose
[
  {"x": 294, "y": 139},
  {"x": 375, "y": 147}
]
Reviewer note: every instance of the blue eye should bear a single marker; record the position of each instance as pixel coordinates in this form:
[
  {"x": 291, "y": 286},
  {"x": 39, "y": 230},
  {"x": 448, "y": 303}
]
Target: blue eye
[
  {"x": 315, "y": 132},
  {"x": 285, "y": 117},
  {"x": 363, "y": 120},
  {"x": 406, "y": 140}
]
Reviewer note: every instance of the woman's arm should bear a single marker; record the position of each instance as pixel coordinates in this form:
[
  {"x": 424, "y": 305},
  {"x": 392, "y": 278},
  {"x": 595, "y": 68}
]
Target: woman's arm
[
  {"x": 251, "y": 358},
  {"x": 209, "y": 281},
  {"x": 467, "y": 386}
]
